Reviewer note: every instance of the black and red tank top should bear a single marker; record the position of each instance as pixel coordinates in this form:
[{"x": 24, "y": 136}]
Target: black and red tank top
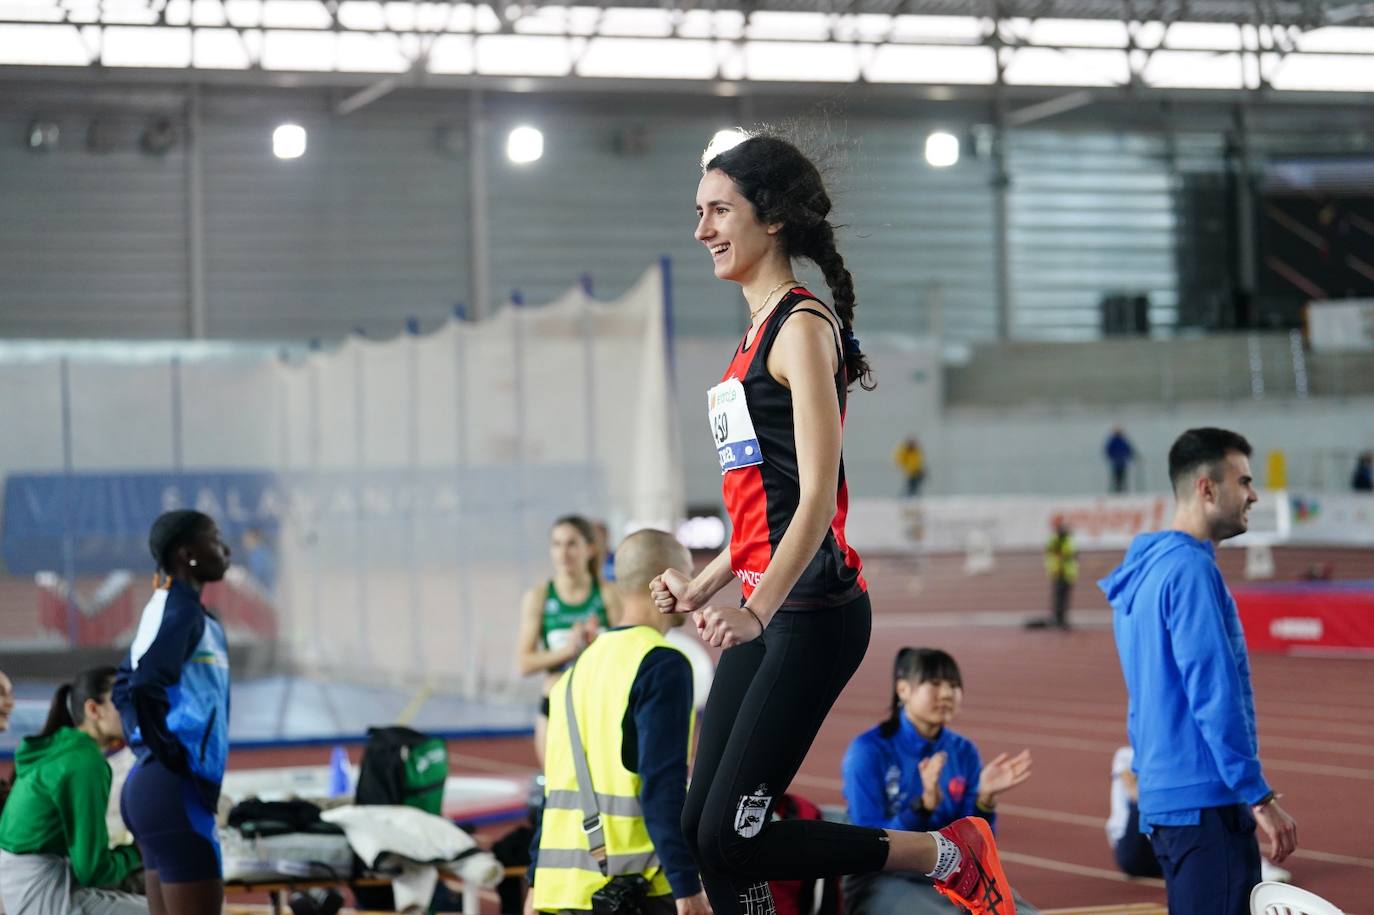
[{"x": 752, "y": 425}]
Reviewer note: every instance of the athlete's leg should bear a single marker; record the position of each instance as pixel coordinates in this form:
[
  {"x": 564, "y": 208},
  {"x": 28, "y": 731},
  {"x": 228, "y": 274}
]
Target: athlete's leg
[
  {"x": 204, "y": 897},
  {"x": 807, "y": 658},
  {"x": 733, "y": 675},
  {"x": 176, "y": 833},
  {"x": 156, "y": 904}
]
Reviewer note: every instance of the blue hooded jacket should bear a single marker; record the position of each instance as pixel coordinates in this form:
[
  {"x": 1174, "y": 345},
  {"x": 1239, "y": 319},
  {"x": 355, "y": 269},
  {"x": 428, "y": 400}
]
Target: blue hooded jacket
[{"x": 1191, "y": 717}]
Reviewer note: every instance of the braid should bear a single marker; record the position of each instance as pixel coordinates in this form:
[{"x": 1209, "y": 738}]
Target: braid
[{"x": 821, "y": 249}]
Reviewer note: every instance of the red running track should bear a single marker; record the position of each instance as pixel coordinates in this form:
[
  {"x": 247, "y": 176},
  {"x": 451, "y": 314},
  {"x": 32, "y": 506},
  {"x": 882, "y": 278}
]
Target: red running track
[{"x": 1061, "y": 695}]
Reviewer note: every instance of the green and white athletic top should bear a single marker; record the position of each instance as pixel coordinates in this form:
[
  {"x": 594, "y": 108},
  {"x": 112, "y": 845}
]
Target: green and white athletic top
[{"x": 559, "y": 616}]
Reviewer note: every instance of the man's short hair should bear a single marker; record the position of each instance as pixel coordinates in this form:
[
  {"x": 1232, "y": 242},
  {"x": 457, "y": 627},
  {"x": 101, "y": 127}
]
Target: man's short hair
[
  {"x": 1206, "y": 447},
  {"x": 645, "y": 554}
]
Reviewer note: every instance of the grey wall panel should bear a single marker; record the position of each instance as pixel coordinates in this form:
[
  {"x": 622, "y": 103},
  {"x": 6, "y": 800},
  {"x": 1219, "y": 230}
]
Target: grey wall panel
[
  {"x": 365, "y": 230},
  {"x": 909, "y": 229},
  {"x": 91, "y": 245},
  {"x": 1092, "y": 214},
  {"x": 586, "y": 209},
  {"x": 920, "y": 238},
  {"x": 372, "y": 225}
]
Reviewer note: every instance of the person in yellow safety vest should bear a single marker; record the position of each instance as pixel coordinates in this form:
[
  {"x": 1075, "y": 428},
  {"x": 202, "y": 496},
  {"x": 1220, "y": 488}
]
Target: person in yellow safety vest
[
  {"x": 911, "y": 460},
  {"x": 632, "y": 700},
  {"x": 1061, "y": 564}
]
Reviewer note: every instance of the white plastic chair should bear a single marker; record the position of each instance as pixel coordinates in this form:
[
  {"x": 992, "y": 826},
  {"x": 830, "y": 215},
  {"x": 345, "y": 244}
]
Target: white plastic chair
[{"x": 1281, "y": 899}]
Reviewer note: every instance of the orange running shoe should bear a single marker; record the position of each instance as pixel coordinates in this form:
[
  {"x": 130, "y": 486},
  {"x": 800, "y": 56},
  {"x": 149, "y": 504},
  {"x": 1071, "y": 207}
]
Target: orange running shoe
[{"x": 979, "y": 886}]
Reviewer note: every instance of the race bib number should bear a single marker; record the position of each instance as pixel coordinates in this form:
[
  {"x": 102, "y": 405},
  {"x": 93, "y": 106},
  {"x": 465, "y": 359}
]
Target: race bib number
[
  {"x": 558, "y": 639},
  {"x": 736, "y": 443}
]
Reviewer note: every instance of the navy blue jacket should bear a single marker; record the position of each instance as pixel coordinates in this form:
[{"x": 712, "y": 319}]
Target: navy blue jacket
[{"x": 172, "y": 690}]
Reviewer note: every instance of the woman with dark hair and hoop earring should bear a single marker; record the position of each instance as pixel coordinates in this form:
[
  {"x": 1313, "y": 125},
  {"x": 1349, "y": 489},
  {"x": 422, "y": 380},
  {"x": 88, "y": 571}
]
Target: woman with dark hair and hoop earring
[
  {"x": 173, "y": 694},
  {"x": 562, "y": 616},
  {"x": 777, "y": 417},
  {"x": 914, "y": 772},
  {"x": 55, "y": 851}
]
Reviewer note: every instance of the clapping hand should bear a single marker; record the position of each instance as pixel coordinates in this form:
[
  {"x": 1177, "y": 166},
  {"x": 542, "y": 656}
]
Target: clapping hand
[
  {"x": 930, "y": 769},
  {"x": 1004, "y": 772}
]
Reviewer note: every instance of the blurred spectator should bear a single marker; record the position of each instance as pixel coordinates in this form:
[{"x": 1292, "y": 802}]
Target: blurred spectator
[
  {"x": 911, "y": 460},
  {"x": 1362, "y": 480},
  {"x": 55, "y": 854},
  {"x": 605, "y": 549},
  {"x": 1061, "y": 565},
  {"x": 260, "y": 560},
  {"x": 913, "y": 772},
  {"x": 1318, "y": 571},
  {"x": 1120, "y": 454},
  {"x": 6, "y": 706},
  {"x": 6, "y": 701},
  {"x": 1134, "y": 854}
]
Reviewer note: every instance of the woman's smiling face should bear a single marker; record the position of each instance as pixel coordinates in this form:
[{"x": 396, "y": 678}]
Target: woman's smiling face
[{"x": 729, "y": 228}]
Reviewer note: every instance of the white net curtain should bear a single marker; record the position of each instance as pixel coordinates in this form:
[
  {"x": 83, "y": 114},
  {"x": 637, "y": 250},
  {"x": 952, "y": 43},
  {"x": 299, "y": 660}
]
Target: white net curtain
[
  {"x": 427, "y": 469},
  {"x": 405, "y": 487}
]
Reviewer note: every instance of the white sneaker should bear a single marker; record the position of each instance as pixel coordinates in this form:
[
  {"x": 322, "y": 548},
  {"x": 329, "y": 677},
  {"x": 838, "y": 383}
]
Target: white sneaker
[{"x": 1272, "y": 872}]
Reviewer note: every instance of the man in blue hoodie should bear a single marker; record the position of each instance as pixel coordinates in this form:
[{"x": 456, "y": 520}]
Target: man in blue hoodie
[{"x": 1191, "y": 717}]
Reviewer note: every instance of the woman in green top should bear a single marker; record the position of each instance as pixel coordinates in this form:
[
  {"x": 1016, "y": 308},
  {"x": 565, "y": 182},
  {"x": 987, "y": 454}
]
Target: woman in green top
[
  {"x": 54, "y": 848},
  {"x": 560, "y": 618}
]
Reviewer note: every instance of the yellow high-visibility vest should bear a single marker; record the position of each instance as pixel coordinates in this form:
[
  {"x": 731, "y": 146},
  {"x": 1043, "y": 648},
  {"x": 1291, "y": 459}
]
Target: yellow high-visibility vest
[
  {"x": 566, "y": 875},
  {"x": 1061, "y": 559}
]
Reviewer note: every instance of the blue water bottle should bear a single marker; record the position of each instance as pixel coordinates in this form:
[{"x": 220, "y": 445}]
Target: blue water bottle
[{"x": 340, "y": 776}]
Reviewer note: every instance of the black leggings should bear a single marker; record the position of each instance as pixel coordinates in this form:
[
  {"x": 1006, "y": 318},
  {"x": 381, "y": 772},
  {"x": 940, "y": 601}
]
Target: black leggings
[{"x": 767, "y": 702}]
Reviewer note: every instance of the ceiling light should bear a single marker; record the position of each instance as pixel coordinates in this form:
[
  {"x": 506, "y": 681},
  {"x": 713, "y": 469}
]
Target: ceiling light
[
  {"x": 524, "y": 145},
  {"x": 942, "y": 149},
  {"x": 42, "y": 136},
  {"x": 288, "y": 141},
  {"x": 723, "y": 140}
]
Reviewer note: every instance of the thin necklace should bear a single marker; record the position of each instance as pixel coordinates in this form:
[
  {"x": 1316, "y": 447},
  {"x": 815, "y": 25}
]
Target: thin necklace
[{"x": 754, "y": 313}]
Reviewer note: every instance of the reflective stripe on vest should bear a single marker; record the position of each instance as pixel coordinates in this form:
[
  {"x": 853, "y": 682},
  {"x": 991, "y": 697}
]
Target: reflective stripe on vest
[
  {"x": 566, "y": 875},
  {"x": 609, "y": 803},
  {"x": 580, "y": 859}
]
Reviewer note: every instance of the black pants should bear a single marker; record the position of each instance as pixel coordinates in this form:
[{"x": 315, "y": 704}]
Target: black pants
[
  {"x": 1059, "y": 608},
  {"x": 1210, "y": 868},
  {"x": 767, "y": 702},
  {"x": 1134, "y": 854},
  {"x": 1119, "y": 477}
]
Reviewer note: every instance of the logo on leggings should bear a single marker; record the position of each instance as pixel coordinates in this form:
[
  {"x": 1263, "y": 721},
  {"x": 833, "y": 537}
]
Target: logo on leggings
[{"x": 752, "y": 811}]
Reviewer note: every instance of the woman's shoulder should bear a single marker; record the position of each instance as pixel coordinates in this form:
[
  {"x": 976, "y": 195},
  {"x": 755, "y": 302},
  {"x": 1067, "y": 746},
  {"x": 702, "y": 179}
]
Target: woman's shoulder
[
  {"x": 872, "y": 741},
  {"x": 954, "y": 741}
]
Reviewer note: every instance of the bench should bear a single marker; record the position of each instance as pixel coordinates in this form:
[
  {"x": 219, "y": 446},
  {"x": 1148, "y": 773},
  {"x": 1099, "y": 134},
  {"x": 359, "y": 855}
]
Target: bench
[
  {"x": 1128, "y": 908},
  {"x": 278, "y": 890}
]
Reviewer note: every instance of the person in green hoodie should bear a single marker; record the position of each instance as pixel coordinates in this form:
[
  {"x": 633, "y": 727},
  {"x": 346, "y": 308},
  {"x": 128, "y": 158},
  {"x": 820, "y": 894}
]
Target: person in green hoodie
[{"x": 55, "y": 853}]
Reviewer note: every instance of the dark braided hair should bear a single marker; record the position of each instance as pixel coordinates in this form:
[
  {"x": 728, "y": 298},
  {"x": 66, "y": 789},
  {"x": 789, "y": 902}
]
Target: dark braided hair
[{"x": 785, "y": 187}]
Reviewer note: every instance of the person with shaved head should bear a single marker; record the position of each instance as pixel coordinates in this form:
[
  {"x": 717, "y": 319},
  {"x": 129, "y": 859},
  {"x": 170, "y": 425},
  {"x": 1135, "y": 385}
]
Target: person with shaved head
[{"x": 625, "y": 707}]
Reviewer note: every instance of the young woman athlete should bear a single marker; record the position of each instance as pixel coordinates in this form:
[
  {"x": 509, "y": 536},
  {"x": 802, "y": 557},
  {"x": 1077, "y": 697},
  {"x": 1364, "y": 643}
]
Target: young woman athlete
[
  {"x": 560, "y": 617},
  {"x": 777, "y": 417},
  {"x": 173, "y": 695}
]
